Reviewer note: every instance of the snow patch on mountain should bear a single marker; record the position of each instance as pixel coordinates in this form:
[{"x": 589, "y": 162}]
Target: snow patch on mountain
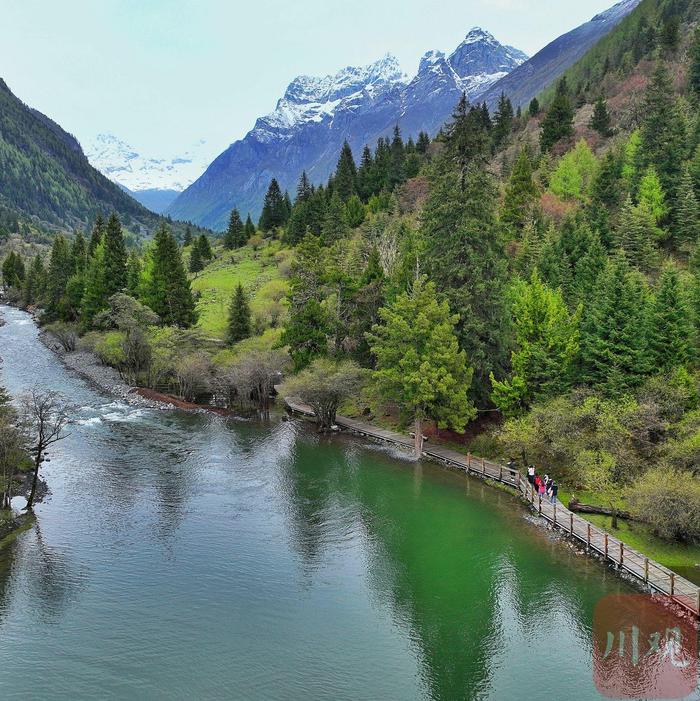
[{"x": 124, "y": 165}]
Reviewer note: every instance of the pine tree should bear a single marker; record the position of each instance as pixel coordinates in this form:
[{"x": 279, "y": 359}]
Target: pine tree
[
  {"x": 249, "y": 228},
  {"x": 196, "y": 263},
  {"x": 636, "y": 235},
  {"x": 239, "y": 317},
  {"x": 133, "y": 275},
  {"x": 547, "y": 346},
  {"x": 530, "y": 250},
  {"x": 534, "y": 107},
  {"x": 398, "y": 159},
  {"x": 587, "y": 270},
  {"x": 78, "y": 253},
  {"x": 114, "y": 257},
  {"x": 59, "y": 272},
  {"x": 98, "y": 230},
  {"x": 346, "y": 174},
  {"x": 503, "y": 121},
  {"x": 95, "y": 295},
  {"x": 521, "y": 193},
  {"x": 600, "y": 121},
  {"x": 663, "y": 130},
  {"x": 422, "y": 143},
  {"x": 686, "y": 228},
  {"x": 13, "y": 272},
  {"x": 671, "y": 330},
  {"x": 364, "y": 175},
  {"x": 466, "y": 140},
  {"x": 166, "y": 287},
  {"x": 33, "y": 288},
  {"x": 274, "y": 211},
  {"x": 335, "y": 225},
  {"x": 235, "y": 233},
  {"x": 187, "y": 240},
  {"x": 613, "y": 338},
  {"x": 419, "y": 364},
  {"x": 558, "y": 122},
  {"x": 205, "y": 252},
  {"x": 464, "y": 256}
]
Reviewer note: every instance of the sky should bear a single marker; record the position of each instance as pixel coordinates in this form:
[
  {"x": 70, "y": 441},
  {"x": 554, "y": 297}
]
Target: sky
[{"x": 164, "y": 74}]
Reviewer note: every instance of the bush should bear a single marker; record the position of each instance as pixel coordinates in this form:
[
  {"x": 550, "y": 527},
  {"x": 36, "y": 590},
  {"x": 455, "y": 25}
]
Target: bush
[
  {"x": 110, "y": 349},
  {"x": 669, "y": 500},
  {"x": 66, "y": 334}
]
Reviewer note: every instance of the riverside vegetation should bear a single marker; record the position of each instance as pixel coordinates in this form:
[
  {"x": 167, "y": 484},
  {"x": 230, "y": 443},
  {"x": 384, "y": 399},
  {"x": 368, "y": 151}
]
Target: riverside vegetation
[{"x": 541, "y": 263}]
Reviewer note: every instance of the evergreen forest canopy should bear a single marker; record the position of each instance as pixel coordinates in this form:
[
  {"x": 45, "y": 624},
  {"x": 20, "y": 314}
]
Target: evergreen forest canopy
[{"x": 541, "y": 262}]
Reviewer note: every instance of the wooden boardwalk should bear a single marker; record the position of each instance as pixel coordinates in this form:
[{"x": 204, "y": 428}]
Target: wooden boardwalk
[{"x": 654, "y": 576}]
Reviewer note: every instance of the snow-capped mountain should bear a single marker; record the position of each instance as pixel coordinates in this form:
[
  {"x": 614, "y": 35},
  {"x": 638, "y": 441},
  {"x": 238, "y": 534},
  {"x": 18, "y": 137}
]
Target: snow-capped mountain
[
  {"x": 358, "y": 104},
  {"x": 154, "y": 181}
]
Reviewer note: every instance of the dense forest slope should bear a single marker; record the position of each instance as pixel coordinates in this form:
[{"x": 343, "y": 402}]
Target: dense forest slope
[{"x": 44, "y": 173}]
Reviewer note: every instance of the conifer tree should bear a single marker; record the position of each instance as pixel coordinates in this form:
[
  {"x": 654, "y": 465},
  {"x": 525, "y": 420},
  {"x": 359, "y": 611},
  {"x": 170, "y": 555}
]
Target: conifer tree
[
  {"x": 33, "y": 288},
  {"x": 95, "y": 296},
  {"x": 196, "y": 263},
  {"x": 274, "y": 211},
  {"x": 547, "y": 346},
  {"x": 398, "y": 159},
  {"x": 466, "y": 140},
  {"x": 521, "y": 193},
  {"x": 422, "y": 143},
  {"x": 632, "y": 162},
  {"x": 671, "y": 329},
  {"x": 335, "y": 226},
  {"x": 187, "y": 240},
  {"x": 686, "y": 229},
  {"x": 239, "y": 317},
  {"x": 114, "y": 256},
  {"x": 96, "y": 235},
  {"x": 166, "y": 287},
  {"x": 651, "y": 195},
  {"x": 345, "y": 181},
  {"x": 534, "y": 107},
  {"x": 249, "y": 228},
  {"x": 558, "y": 122},
  {"x": 419, "y": 363},
  {"x": 13, "y": 272},
  {"x": 531, "y": 245},
  {"x": 636, "y": 235},
  {"x": 364, "y": 175},
  {"x": 503, "y": 121},
  {"x": 78, "y": 253},
  {"x": 235, "y": 233},
  {"x": 59, "y": 272},
  {"x": 133, "y": 275},
  {"x": 587, "y": 270},
  {"x": 205, "y": 252},
  {"x": 600, "y": 121}
]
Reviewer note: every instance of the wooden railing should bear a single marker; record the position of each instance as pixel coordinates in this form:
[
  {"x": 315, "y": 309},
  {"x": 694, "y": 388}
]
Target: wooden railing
[{"x": 654, "y": 576}]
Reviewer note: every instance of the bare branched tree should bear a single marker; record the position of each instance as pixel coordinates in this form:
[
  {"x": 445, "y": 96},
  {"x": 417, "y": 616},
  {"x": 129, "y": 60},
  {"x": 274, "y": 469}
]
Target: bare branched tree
[{"x": 44, "y": 416}]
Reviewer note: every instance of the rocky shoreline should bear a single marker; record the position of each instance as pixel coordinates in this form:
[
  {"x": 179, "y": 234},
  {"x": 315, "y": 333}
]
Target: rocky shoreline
[{"x": 106, "y": 378}]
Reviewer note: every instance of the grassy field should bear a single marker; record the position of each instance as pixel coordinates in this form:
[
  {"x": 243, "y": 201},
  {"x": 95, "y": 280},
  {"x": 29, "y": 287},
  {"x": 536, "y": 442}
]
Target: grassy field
[{"x": 257, "y": 271}]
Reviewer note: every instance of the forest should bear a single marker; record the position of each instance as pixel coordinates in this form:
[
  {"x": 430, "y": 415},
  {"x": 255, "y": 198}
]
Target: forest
[{"x": 530, "y": 276}]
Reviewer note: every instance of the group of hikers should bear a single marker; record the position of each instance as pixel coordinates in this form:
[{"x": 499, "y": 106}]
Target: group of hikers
[{"x": 545, "y": 487}]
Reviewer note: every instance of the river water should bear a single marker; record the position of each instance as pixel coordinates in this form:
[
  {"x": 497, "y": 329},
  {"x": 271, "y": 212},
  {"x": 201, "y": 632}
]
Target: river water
[{"x": 184, "y": 556}]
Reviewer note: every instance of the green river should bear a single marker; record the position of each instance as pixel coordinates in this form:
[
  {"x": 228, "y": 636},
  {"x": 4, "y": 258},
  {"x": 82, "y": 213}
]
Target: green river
[{"x": 184, "y": 556}]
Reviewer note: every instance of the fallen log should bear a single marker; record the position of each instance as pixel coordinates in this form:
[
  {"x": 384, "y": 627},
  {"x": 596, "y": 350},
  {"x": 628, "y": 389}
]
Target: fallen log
[{"x": 577, "y": 507}]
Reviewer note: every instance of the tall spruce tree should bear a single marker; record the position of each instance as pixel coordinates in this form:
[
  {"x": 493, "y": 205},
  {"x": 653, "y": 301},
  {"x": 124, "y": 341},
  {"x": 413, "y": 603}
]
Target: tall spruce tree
[
  {"x": 335, "y": 226},
  {"x": 636, "y": 235},
  {"x": 167, "y": 290},
  {"x": 59, "y": 272},
  {"x": 613, "y": 333},
  {"x": 503, "y": 121},
  {"x": 114, "y": 256},
  {"x": 249, "y": 228},
  {"x": 686, "y": 224},
  {"x": 670, "y": 329},
  {"x": 345, "y": 182},
  {"x": 196, "y": 264},
  {"x": 466, "y": 140},
  {"x": 558, "y": 122},
  {"x": 95, "y": 296},
  {"x": 204, "y": 247},
  {"x": 694, "y": 68},
  {"x": 96, "y": 235},
  {"x": 397, "y": 168},
  {"x": 521, "y": 193},
  {"x": 235, "y": 233},
  {"x": 274, "y": 211},
  {"x": 600, "y": 121},
  {"x": 239, "y": 326}
]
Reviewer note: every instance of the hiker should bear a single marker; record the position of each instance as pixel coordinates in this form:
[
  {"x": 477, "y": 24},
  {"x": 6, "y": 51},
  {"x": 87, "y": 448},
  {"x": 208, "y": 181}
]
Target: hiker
[
  {"x": 531, "y": 474},
  {"x": 553, "y": 491},
  {"x": 541, "y": 489}
]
